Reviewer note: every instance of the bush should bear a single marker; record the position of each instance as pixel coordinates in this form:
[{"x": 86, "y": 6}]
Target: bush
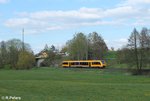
[
  {"x": 26, "y": 60},
  {"x": 8, "y": 66}
]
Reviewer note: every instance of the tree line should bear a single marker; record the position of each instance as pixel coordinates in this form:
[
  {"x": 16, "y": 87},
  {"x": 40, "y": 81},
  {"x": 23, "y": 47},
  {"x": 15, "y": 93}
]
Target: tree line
[
  {"x": 136, "y": 54},
  {"x": 53, "y": 57},
  {"x": 83, "y": 47},
  {"x": 15, "y": 55},
  {"x": 80, "y": 47}
]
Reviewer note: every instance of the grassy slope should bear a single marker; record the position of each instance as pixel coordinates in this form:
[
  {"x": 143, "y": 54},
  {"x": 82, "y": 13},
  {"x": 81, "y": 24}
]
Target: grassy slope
[
  {"x": 111, "y": 58},
  {"x": 59, "y": 84}
]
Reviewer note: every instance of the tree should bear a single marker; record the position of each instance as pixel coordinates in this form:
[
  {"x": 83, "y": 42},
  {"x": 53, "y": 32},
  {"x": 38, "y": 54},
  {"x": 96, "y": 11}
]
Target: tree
[
  {"x": 112, "y": 49},
  {"x": 133, "y": 44},
  {"x": 64, "y": 49},
  {"x": 82, "y": 47},
  {"x": 17, "y": 44},
  {"x": 123, "y": 56},
  {"x": 26, "y": 60},
  {"x": 138, "y": 46},
  {"x": 13, "y": 54},
  {"x": 14, "y": 47},
  {"x": 9, "y": 52},
  {"x": 53, "y": 58},
  {"x": 78, "y": 47},
  {"x": 49, "y": 60},
  {"x": 3, "y": 54},
  {"x": 46, "y": 48},
  {"x": 53, "y": 48},
  {"x": 97, "y": 46},
  {"x": 144, "y": 54}
]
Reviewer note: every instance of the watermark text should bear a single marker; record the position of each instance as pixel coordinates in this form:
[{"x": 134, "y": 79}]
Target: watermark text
[{"x": 11, "y": 98}]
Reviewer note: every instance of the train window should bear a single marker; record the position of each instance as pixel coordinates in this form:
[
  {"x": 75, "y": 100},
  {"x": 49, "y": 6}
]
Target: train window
[
  {"x": 83, "y": 63},
  {"x": 75, "y": 63},
  {"x": 95, "y": 63},
  {"x": 65, "y": 63},
  {"x": 72, "y": 63}
]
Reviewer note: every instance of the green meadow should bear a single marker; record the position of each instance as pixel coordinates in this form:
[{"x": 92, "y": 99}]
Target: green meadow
[{"x": 73, "y": 84}]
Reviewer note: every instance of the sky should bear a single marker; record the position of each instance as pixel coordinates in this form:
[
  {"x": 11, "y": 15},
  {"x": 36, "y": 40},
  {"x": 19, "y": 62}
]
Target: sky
[{"x": 54, "y": 22}]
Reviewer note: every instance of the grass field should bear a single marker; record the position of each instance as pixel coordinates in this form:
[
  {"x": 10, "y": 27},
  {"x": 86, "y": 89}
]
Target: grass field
[{"x": 74, "y": 84}]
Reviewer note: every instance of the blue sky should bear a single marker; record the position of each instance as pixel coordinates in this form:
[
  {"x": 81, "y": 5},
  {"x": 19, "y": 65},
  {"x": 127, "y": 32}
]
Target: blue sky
[{"x": 56, "y": 21}]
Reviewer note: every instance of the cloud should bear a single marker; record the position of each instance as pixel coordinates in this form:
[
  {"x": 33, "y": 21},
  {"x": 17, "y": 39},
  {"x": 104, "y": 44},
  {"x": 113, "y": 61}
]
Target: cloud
[
  {"x": 126, "y": 14},
  {"x": 15, "y": 22},
  {"x": 53, "y": 20},
  {"x": 122, "y": 12},
  {"x": 122, "y": 41},
  {"x": 82, "y": 13},
  {"x": 56, "y": 20},
  {"x": 117, "y": 43},
  {"x": 3, "y": 1},
  {"x": 136, "y": 2}
]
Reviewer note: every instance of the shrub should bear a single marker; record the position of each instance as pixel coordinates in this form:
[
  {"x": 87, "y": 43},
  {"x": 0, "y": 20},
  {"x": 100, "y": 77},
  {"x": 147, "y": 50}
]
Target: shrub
[{"x": 26, "y": 60}]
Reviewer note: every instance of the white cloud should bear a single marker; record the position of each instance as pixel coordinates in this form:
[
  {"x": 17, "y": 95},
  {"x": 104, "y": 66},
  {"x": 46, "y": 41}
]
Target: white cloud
[
  {"x": 56, "y": 20},
  {"x": 53, "y": 20},
  {"x": 82, "y": 13},
  {"x": 136, "y": 2},
  {"x": 122, "y": 12},
  {"x": 15, "y": 22},
  {"x": 117, "y": 43},
  {"x": 125, "y": 14},
  {"x": 3, "y": 1},
  {"x": 122, "y": 41}
]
